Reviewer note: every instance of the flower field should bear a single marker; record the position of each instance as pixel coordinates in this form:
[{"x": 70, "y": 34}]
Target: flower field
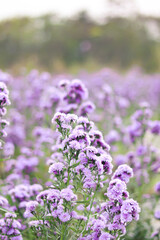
[{"x": 80, "y": 156}]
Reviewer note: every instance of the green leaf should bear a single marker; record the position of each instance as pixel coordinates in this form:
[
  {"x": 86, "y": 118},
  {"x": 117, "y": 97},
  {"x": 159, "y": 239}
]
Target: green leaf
[
  {"x": 5, "y": 210},
  {"x": 74, "y": 165},
  {"x": 83, "y": 201}
]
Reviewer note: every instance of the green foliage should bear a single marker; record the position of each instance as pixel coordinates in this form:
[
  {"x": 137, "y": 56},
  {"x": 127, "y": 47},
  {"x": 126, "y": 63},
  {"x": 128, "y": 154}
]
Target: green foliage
[{"x": 51, "y": 43}]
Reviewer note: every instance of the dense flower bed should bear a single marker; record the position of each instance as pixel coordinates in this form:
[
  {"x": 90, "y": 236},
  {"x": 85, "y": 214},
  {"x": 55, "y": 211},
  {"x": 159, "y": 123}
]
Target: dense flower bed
[{"x": 79, "y": 159}]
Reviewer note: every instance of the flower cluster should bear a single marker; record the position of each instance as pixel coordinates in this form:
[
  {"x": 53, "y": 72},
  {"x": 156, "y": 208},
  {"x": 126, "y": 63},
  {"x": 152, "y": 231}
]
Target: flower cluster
[
  {"x": 78, "y": 172},
  {"x": 140, "y": 122},
  {"x": 74, "y": 95},
  {"x": 4, "y": 101},
  {"x": 9, "y": 227},
  {"x": 118, "y": 210},
  {"x": 85, "y": 151},
  {"x": 59, "y": 177}
]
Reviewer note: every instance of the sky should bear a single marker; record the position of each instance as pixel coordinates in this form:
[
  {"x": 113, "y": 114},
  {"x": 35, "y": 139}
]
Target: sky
[{"x": 67, "y": 8}]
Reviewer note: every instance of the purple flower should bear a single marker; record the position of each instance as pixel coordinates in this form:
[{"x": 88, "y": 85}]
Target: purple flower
[
  {"x": 4, "y": 100},
  {"x": 35, "y": 189},
  {"x": 63, "y": 83},
  {"x": 87, "y": 125},
  {"x": 20, "y": 192},
  {"x": 91, "y": 152},
  {"x": 157, "y": 187},
  {"x": 138, "y": 115},
  {"x": 135, "y": 130},
  {"x": 74, "y": 144},
  {"x": 58, "y": 211},
  {"x": 81, "y": 137},
  {"x": 77, "y": 216},
  {"x": 31, "y": 206},
  {"x": 53, "y": 195},
  {"x": 3, "y": 88},
  {"x": 59, "y": 118},
  {"x": 98, "y": 141},
  {"x": 10, "y": 215},
  {"x": 64, "y": 217},
  {"x": 68, "y": 195},
  {"x": 117, "y": 226},
  {"x": 42, "y": 195},
  {"x": 86, "y": 108},
  {"x": 106, "y": 236},
  {"x": 141, "y": 150},
  {"x": 56, "y": 168},
  {"x": 123, "y": 172},
  {"x": 71, "y": 118},
  {"x": 155, "y": 234},
  {"x": 9, "y": 227},
  {"x": 120, "y": 159},
  {"x": 35, "y": 223},
  {"x": 157, "y": 214},
  {"x": 8, "y": 149},
  {"x": 3, "y": 201},
  {"x": 76, "y": 92},
  {"x": 106, "y": 162},
  {"x": 97, "y": 225},
  {"x": 80, "y": 207},
  {"x": 89, "y": 183},
  {"x": 155, "y": 127},
  {"x": 26, "y": 164},
  {"x": 113, "y": 136},
  {"x": 130, "y": 210},
  {"x": 116, "y": 189},
  {"x": 19, "y": 237},
  {"x": 99, "y": 167}
]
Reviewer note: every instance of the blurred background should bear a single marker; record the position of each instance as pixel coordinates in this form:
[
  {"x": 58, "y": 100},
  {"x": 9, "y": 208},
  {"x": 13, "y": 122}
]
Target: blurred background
[{"x": 70, "y": 35}]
